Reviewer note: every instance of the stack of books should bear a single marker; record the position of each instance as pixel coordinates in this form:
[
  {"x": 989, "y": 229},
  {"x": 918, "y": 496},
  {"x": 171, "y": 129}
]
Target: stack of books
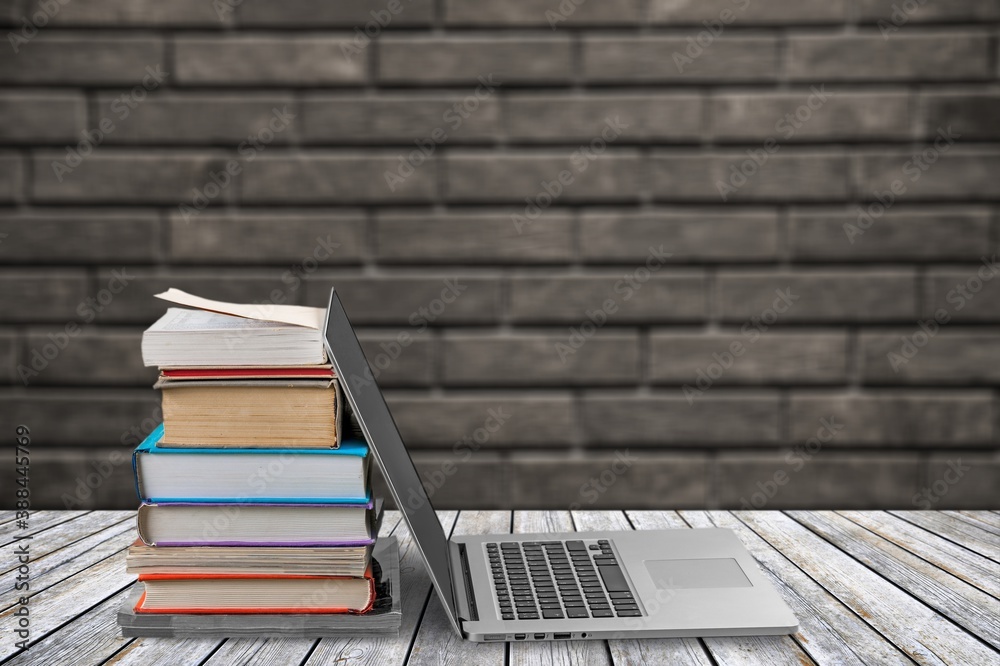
[{"x": 257, "y": 516}]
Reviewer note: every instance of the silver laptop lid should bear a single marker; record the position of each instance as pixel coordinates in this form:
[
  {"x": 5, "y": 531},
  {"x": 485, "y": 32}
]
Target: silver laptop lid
[{"x": 363, "y": 394}]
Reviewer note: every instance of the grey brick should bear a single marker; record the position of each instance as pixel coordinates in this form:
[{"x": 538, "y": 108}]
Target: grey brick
[
  {"x": 477, "y": 483},
  {"x": 976, "y": 488},
  {"x": 109, "y": 175},
  {"x": 412, "y": 303},
  {"x": 72, "y": 237},
  {"x": 8, "y": 357},
  {"x": 135, "y": 13},
  {"x": 481, "y": 177},
  {"x": 861, "y": 295},
  {"x": 639, "y": 296},
  {"x": 723, "y": 418},
  {"x": 972, "y": 114},
  {"x": 650, "y": 480},
  {"x": 94, "y": 416},
  {"x": 466, "y": 237},
  {"x": 434, "y": 117},
  {"x": 540, "y": 359},
  {"x": 254, "y": 60},
  {"x": 179, "y": 118},
  {"x": 365, "y": 15},
  {"x": 135, "y": 304},
  {"x": 541, "y": 12},
  {"x": 302, "y": 241},
  {"x": 949, "y": 357},
  {"x": 409, "y": 366},
  {"x": 368, "y": 177},
  {"x": 11, "y": 176},
  {"x": 665, "y": 59},
  {"x": 812, "y": 114},
  {"x": 574, "y": 117},
  {"x": 41, "y": 295},
  {"x": 968, "y": 294},
  {"x": 449, "y": 59},
  {"x": 747, "y": 13},
  {"x": 691, "y": 236},
  {"x": 942, "y": 56},
  {"x": 27, "y": 116},
  {"x": 784, "y": 175},
  {"x": 75, "y": 479},
  {"x": 959, "y": 174},
  {"x": 773, "y": 357},
  {"x": 86, "y": 356},
  {"x": 898, "y": 14},
  {"x": 925, "y": 234},
  {"x": 462, "y": 423},
  {"x": 896, "y": 418},
  {"x": 843, "y": 480},
  {"x": 81, "y": 59}
]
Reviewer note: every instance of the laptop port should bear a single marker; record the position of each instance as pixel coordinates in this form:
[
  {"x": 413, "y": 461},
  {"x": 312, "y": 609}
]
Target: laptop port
[
  {"x": 539, "y": 637},
  {"x": 520, "y": 637},
  {"x": 561, "y": 637}
]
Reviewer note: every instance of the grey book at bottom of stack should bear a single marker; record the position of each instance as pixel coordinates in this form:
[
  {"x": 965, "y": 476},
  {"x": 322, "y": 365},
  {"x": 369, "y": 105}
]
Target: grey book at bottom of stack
[{"x": 384, "y": 617}]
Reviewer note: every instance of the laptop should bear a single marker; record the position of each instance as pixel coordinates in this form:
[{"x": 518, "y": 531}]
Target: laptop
[{"x": 552, "y": 586}]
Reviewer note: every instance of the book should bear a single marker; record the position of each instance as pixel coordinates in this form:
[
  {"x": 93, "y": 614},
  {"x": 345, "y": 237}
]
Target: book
[
  {"x": 212, "y": 524},
  {"x": 251, "y": 413},
  {"x": 198, "y": 337},
  {"x": 255, "y": 593},
  {"x": 383, "y": 618},
  {"x": 248, "y": 372},
  {"x": 277, "y": 476},
  {"x": 339, "y": 561}
]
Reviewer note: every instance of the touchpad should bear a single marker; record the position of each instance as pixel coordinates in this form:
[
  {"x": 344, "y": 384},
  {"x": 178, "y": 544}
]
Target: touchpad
[{"x": 690, "y": 574}]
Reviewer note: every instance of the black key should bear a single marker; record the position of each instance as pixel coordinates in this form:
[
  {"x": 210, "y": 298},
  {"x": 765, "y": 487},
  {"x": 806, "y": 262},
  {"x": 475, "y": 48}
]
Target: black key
[
  {"x": 602, "y": 613},
  {"x": 629, "y": 613},
  {"x": 620, "y": 595},
  {"x": 572, "y": 604},
  {"x": 508, "y": 616},
  {"x": 598, "y": 558},
  {"x": 575, "y": 545},
  {"x": 552, "y": 606},
  {"x": 603, "y": 541},
  {"x": 626, "y": 607},
  {"x": 577, "y": 612},
  {"x": 547, "y": 595},
  {"x": 596, "y": 607},
  {"x": 594, "y": 546},
  {"x": 552, "y": 614},
  {"x": 614, "y": 579},
  {"x": 591, "y": 585},
  {"x": 530, "y": 616}
]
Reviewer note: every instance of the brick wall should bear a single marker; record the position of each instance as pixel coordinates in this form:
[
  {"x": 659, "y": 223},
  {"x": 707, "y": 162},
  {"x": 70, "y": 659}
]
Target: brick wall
[{"x": 631, "y": 272}]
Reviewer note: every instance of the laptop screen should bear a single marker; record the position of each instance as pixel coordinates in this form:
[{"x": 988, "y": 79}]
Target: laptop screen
[{"x": 363, "y": 394}]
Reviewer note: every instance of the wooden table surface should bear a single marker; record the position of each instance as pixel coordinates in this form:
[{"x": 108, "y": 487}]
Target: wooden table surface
[{"x": 869, "y": 587}]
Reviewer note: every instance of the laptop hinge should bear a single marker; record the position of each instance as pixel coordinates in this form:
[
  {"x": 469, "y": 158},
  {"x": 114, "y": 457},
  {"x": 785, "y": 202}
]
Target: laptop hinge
[{"x": 461, "y": 577}]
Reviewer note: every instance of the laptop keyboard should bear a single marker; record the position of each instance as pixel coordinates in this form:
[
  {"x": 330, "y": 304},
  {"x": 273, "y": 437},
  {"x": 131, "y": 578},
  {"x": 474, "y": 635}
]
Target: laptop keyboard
[{"x": 550, "y": 580}]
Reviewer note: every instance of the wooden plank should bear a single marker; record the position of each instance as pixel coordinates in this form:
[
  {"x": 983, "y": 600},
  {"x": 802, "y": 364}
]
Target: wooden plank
[
  {"x": 147, "y": 651},
  {"x": 649, "y": 650},
  {"x": 436, "y": 641},
  {"x": 919, "y": 631},
  {"x": 829, "y": 631},
  {"x": 7, "y": 516},
  {"x": 37, "y": 523},
  {"x": 988, "y": 517},
  {"x": 64, "y": 534},
  {"x": 50, "y": 569},
  {"x": 74, "y": 596},
  {"x": 730, "y": 650},
  {"x": 89, "y": 639},
  {"x": 967, "y": 565},
  {"x": 966, "y": 605},
  {"x": 416, "y": 587},
  {"x": 262, "y": 651},
  {"x": 975, "y": 521},
  {"x": 553, "y": 652},
  {"x": 963, "y": 534}
]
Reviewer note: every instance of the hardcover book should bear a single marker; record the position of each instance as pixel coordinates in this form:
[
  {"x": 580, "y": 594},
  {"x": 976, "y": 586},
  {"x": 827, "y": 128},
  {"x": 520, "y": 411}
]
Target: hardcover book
[{"x": 239, "y": 475}]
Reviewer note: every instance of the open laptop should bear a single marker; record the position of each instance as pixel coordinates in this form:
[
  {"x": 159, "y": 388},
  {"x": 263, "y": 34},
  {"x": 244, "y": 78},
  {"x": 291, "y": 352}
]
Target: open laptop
[{"x": 552, "y": 586}]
